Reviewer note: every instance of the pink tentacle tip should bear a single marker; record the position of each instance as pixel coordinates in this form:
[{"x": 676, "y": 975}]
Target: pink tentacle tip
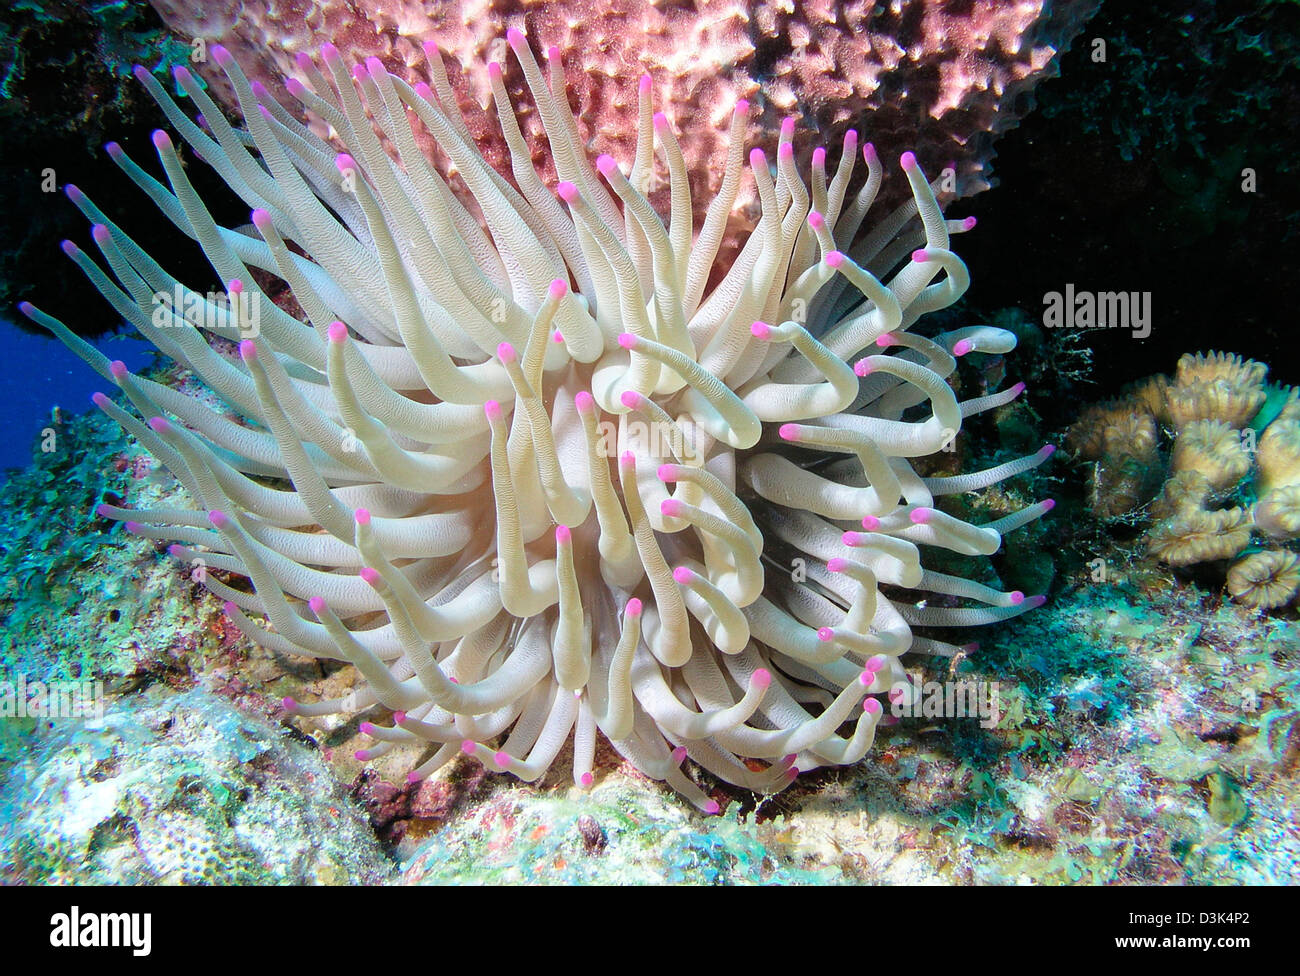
[
  {"x": 100, "y": 233},
  {"x": 558, "y": 288},
  {"x": 399, "y": 717},
  {"x": 362, "y": 515},
  {"x": 785, "y": 152},
  {"x": 630, "y": 399},
  {"x": 218, "y": 518},
  {"x": 317, "y": 605},
  {"x": 469, "y": 747},
  {"x": 563, "y": 534},
  {"x": 221, "y": 55},
  {"x": 626, "y": 340},
  {"x": 679, "y": 755},
  {"x": 627, "y": 459},
  {"x": 1037, "y": 601},
  {"x": 140, "y": 72},
  {"x": 369, "y": 575},
  {"x": 584, "y": 401},
  {"x": 761, "y": 330},
  {"x": 1049, "y": 504},
  {"x": 247, "y": 351},
  {"x": 969, "y": 223},
  {"x": 412, "y": 777},
  {"x": 816, "y": 221},
  {"x": 850, "y": 141},
  {"x": 361, "y": 755},
  {"x": 834, "y": 259},
  {"x": 261, "y": 219},
  {"x": 118, "y": 369},
  {"x": 103, "y": 510},
  {"x": 424, "y": 91},
  {"x": 875, "y": 663},
  {"x": 566, "y": 191},
  {"x": 791, "y": 774},
  {"x": 961, "y": 347},
  {"x": 99, "y": 400},
  {"x": 161, "y": 140},
  {"x": 762, "y": 678},
  {"x": 329, "y": 52},
  {"x": 671, "y": 508},
  {"x": 645, "y": 84},
  {"x": 27, "y": 308},
  {"x": 712, "y": 808},
  {"x": 682, "y": 575},
  {"x": 70, "y": 249},
  {"x": 1047, "y": 450},
  {"x": 819, "y": 157},
  {"x": 557, "y": 337},
  {"x": 921, "y": 516},
  {"x": 789, "y": 432},
  {"x": 862, "y": 367},
  {"x": 919, "y": 256},
  {"x": 113, "y": 149},
  {"x": 287, "y": 703},
  {"x": 176, "y": 551},
  {"x": 235, "y": 286},
  {"x": 1017, "y": 598},
  {"x": 742, "y": 106},
  {"x": 159, "y": 425},
  {"x": 607, "y": 165},
  {"x": 494, "y": 70},
  {"x": 787, "y": 128},
  {"x": 229, "y": 608},
  {"x": 869, "y": 155},
  {"x": 1018, "y": 389},
  {"x": 506, "y": 352},
  {"x": 502, "y": 758},
  {"x": 73, "y": 193},
  {"x": 870, "y": 523},
  {"x": 837, "y": 565},
  {"x": 515, "y": 37},
  {"x": 359, "y": 73},
  {"x": 849, "y": 539},
  {"x": 757, "y": 158},
  {"x": 667, "y": 473},
  {"x": 338, "y": 332},
  {"x": 886, "y": 340},
  {"x": 345, "y": 163},
  {"x": 586, "y": 779},
  {"x": 633, "y": 607},
  {"x": 553, "y": 53},
  {"x": 873, "y": 706},
  {"x": 259, "y": 90},
  {"x": 826, "y": 635},
  {"x": 660, "y": 120},
  {"x": 366, "y": 728},
  {"x": 132, "y": 527},
  {"x": 907, "y": 160},
  {"x": 295, "y": 87}
]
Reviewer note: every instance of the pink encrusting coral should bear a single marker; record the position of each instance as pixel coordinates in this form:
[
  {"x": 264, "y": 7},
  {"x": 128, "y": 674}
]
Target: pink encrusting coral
[
  {"x": 521, "y": 466},
  {"x": 937, "y": 77}
]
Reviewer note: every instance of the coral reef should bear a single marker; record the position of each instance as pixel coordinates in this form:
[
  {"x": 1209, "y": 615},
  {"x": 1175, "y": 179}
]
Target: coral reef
[
  {"x": 1232, "y": 480},
  {"x": 480, "y": 518}
]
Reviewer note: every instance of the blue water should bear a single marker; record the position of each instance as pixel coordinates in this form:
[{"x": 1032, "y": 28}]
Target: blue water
[{"x": 39, "y": 373}]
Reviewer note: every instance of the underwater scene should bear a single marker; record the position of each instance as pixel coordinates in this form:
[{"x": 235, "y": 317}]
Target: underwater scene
[{"x": 645, "y": 443}]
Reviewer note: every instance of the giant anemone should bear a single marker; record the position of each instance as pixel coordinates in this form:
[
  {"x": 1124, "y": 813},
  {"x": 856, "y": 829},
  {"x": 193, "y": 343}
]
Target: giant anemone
[{"x": 531, "y": 464}]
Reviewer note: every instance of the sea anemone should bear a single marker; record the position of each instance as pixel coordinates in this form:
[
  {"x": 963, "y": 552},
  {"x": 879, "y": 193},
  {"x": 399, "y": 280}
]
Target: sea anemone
[{"x": 517, "y": 467}]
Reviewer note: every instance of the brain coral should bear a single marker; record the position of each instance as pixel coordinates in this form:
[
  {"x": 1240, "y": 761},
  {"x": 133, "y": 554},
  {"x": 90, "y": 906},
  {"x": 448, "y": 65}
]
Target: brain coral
[
  {"x": 1233, "y": 470},
  {"x": 520, "y": 466}
]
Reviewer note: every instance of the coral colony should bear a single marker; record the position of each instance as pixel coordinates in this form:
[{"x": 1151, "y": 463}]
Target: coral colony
[{"x": 520, "y": 466}]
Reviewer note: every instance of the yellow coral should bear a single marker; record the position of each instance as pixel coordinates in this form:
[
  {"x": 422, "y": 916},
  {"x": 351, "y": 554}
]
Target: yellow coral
[
  {"x": 1184, "y": 491},
  {"x": 1198, "y": 536},
  {"x": 1277, "y": 514},
  {"x": 1216, "y": 386},
  {"x": 1213, "y": 449},
  {"x": 1265, "y": 579},
  {"x": 1279, "y": 455}
]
